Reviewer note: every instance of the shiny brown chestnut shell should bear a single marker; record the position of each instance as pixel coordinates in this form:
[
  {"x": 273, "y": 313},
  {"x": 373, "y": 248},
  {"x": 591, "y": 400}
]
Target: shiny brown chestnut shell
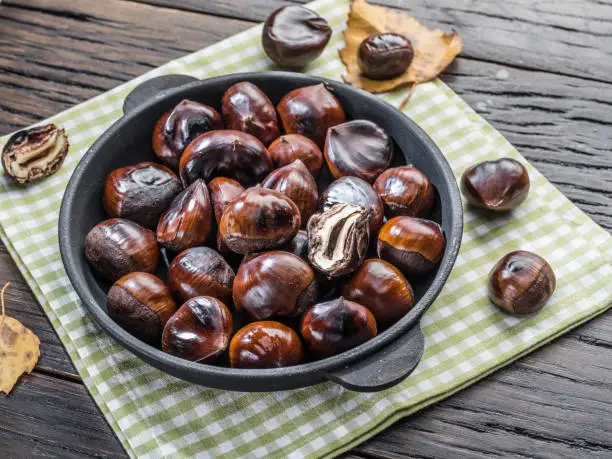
[
  {"x": 232, "y": 154},
  {"x": 274, "y": 284},
  {"x": 223, "y": 191},
  {"x": 140, "y": 192},
  {"x": 382, "y": 288},
  {"x": 384, "y": 56},
  {"x": 200, "y": 271},
  {"x": 199, "y": 331},
  {"x": 188, "y": 221},
  {"x": 294, "y": 36},
  {"x": 260, "y": 219},
  {"x": 310, "y": 111},
  {"x": 335, "y": 326},
  {"x": 521, "y": 282},
  {"x": 178, "y": 127},
  {"x": 117, "y": 247},
  {"x": 265, "y": 344},
  {"x": 290, "y": 147},
  {"x": 246, "y": 108},
  {"x": 142, "y": 304},
  {"x": 297, "y": 183},
  {"x": 298, "y": 245},
  {"x": 405, "y": 190},
  {"x": 358, "y": 148},
  {"x": 413, "y": 245},
  {"x": 498, "y": 186}
]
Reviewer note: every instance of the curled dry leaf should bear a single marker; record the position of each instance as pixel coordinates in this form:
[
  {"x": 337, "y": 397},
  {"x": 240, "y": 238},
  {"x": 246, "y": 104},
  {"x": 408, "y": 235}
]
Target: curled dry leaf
[
  {"x": 19, "y": 349},
  {"x": 433, "y": 49}
]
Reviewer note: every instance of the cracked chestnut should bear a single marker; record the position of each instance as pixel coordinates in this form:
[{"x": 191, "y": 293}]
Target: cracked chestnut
[
  {"x": 405, "y": 190},
  {"x": 384, "y": 56},
  {"x": 290, "y": 147}
]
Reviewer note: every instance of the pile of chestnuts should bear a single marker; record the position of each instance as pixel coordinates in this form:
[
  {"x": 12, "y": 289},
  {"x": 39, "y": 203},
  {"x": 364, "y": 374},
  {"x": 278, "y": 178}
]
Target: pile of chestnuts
[{"x": 264, "y": 236}]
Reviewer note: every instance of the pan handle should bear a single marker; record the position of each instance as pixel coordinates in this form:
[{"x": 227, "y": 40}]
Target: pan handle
[
  {"x": 385, "y": 368},
  {"x": 153, "y": 88}
]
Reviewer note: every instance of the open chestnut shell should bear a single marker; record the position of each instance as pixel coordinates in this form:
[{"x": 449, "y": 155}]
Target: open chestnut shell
[
  {"x": 179, "y": 126},
  {"x": 290, "y": 147},
  {"x": 405, "y": 190},
  {"x": 199, "y": 331},
  {"x": 384, "y": 56}
]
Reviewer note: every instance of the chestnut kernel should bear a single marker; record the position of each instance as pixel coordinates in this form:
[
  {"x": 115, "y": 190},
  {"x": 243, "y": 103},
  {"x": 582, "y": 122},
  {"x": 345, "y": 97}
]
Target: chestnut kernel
[
  {"x": 200, "y": 271},
  {"x": 358, "y": 148},
  {"x": 294, "y": 36},
  {"x": 199, "y": 331},
  {"x": 265, "y": 344},
  {"x": 336, "y": 326},
  {"x": 521, "y": 282},
  {"x": 310, "y": 111},
  {"x": 405, "y": 190},
  {"x": 140, "y": 192},
  {"x": 498, "y": 186},
  {"x": 274, "y": 284},
  {"x": 142, "y": 304},
  {"x": 382, "y": 288},
  {"x": 413, "y": 245},
  {"x": 289, "y": 147},
  {"x": 117, "y": 247},
  {"x": 179, "y": 126},
  {"x": 384, "y": 56}
]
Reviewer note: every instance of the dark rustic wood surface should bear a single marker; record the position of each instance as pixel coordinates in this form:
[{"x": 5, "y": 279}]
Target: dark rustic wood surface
[{"x": 539, "y": 71}]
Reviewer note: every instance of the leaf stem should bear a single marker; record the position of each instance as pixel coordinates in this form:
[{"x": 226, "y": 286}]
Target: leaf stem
[{"x": 2, "y": 301}]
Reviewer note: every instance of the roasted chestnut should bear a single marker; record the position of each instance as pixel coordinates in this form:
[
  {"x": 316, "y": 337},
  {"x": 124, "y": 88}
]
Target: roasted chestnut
[
  {"x": 521, "y": 282},
  {"x": 384, "y": 56},
  {"x": 353, "y": 190},
  {"x": 188, "y": 220},
  {"x": 200, "y": 271},
  {"x": 260, "y": 219},
  {"x": 142, "y": 304},
  {"x": 179, "y": 126},
  {"x": 232, "y": 154},
  {"x": 338, "y": 239},
  {"x": 297, "y": 183},
  {"x": 199, "y": 331},
  {"x": 336, "y": 326},
  {"x": 117, "y": 247},
  {"x": 274, "y": 284},
  {"x": 140, "y": 192},
  {"x": 382, "y": 288},
  {"x": 405, "y": 190},
  {"x": 310, "y": 111},
  {"x": 498, "y": 186},
  {"x": 223, "y": 191},
  {"x": 289, "y": 147},
  {"x": 265, "y": 344},
  {"x": 294, "y": 36},
  {"x": 412, "y": 244},
  {"x": 298, "y": 245},
  {"x": 358, "y": 148}
]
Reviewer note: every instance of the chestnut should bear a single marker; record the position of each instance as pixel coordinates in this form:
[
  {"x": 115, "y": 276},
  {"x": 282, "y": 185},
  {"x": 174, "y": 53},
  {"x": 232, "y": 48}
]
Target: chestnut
[
  {"x": 353, "y": 190},
  {"x": 384, "y": 56},
  {"x": 232, "y": 154},
  {"x": 336, "y": 326},
  {"x": 188, "y": 221},
  {"x": 358, "y": 148},
  {"x": 298, "y": 245},
  {"x": 140, "y": 192},
  {"x": 200, "y": 271},
  {"x": 223, "y": 191},
  {"x": 289, "y": 147},
  {"x": 179, "y": 126},
  {"x": 142, "y": 304},
  {"x": 297, "y": 183},
  {"x": 310, "y": 111},
  {"x": 498, "y": 186},
  {"x": 294, "y": 36},
  {"x": 521, "y": 282},
  {"x": 246, "y": 108},
  {"x": 117, "y": 247},
  {"x": 199, "y": 331},
  {"x": 405, "y": 190},
  {"x": 260, "y": 219},
  {"x": 265, "y": 344},
  {"x": 412, "y": 244},
  {"x": 382, "y": 288}
]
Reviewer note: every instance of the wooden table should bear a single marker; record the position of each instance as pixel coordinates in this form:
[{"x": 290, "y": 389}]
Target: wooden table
[{"x": 539, "y": 71}]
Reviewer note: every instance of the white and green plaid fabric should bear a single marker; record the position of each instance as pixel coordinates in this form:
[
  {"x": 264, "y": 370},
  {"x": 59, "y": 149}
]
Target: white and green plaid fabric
[{"x": 156, "y": 415}]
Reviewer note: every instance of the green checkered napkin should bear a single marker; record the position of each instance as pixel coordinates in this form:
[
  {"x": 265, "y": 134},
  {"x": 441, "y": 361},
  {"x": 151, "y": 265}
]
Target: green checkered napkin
[{"x": 156, "y": 415}]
